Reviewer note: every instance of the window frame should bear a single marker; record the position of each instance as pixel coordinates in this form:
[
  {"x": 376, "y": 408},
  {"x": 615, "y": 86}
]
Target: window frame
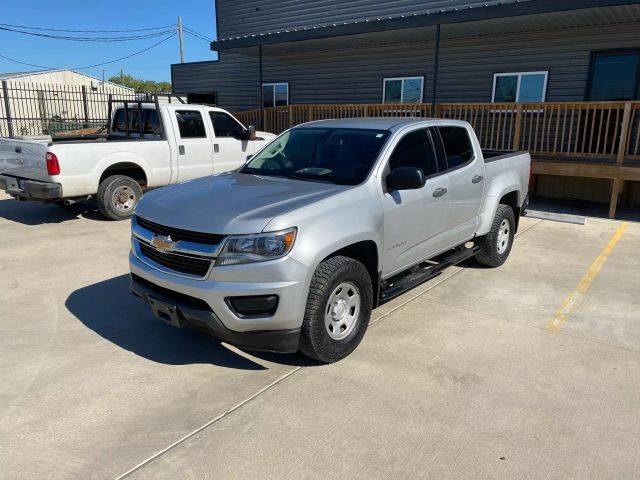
[
  {"x": 402, "y": 80},
  {"x": 177, "y": 112},
  {"x": 273, "y": 85},
  {"x": 386, "y": 164},
  {"x": 213, "y": 127},
  {"x": 435, "y": 133},
  {"x": 519, "y": 75},
  {"x": 611, "y": 52}
]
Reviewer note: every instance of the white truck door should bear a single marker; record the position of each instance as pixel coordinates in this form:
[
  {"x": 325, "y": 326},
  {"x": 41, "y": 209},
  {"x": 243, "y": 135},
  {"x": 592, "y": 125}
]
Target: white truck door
[
  {"x": 414, "y": 220},
  {"x": 194, "y": 144},
  {"x": 230, "y": 148},
  {"x": 466, "y": 176}
]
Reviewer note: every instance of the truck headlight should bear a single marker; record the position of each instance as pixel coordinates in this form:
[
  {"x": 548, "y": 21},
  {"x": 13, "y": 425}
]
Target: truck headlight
[{"x": 256, "y": 248}]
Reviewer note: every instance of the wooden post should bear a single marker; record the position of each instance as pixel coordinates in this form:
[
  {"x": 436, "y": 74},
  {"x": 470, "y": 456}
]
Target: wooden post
[
  {"x": 517, "y": 130},
  {"x": 310, "y": 113},
  {"x": 616, "y": 186},
  {"x": 365, "y": 111},
  {"x": 623, "y": 145},
  {"x": 290, "y": 107}
]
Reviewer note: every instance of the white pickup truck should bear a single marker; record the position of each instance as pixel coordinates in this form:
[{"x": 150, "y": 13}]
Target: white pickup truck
[{"x": 183, "y": 142}]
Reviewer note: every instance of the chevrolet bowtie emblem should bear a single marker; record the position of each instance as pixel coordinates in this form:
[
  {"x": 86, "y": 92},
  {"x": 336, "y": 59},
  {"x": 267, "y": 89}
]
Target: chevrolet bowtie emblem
[{"x": 162, "y": 244}]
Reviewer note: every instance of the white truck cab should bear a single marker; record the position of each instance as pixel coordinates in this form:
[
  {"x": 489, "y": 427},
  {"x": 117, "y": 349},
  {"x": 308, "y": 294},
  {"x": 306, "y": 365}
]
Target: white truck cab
[{"x": 173, "y": 143}]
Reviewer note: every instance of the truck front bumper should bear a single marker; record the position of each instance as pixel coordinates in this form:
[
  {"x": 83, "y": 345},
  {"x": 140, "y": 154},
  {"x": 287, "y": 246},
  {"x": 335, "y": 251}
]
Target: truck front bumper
[
  {"x": 30, "y": 189},
  {"x": 207, "y": 304}
]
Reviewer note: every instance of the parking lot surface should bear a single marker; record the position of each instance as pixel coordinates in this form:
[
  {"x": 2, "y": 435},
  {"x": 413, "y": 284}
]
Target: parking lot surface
[{"x": 531, "y": 370}]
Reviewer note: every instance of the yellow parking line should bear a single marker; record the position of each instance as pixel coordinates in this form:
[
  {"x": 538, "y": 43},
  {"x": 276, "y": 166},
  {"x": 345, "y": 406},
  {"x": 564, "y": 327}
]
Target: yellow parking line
[{"x": 577, "y": 295}]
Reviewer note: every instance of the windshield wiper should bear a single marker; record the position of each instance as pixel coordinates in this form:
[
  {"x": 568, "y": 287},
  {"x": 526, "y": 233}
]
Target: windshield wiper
[{"x": 304, "y": 177}]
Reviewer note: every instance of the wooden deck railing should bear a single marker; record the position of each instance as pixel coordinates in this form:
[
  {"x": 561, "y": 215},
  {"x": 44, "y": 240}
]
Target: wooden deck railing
[
  {"x": 600, "y": 132},
  {"x": 577, "y": 139}
]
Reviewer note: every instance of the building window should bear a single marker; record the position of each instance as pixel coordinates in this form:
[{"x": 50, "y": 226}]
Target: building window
[
  {"x": 275, "y": 94},
  {"x": 402, "y": 90},
  {"x": 614, "y": 75},
  {"x": 523, "y": 87}
]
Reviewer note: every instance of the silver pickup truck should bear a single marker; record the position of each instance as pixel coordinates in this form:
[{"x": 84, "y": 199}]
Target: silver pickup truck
[{"x": 294, "y": 249}]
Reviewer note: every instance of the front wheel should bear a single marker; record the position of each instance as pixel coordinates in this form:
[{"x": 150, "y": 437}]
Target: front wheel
[
  {"x": 496, "y": 245},
  {"x": 117, "y": 196},
  {"x": 338, "y": 309}
]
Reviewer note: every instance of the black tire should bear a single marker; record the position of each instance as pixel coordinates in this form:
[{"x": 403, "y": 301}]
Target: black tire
[
  {"x": 491, "y": 254},
  {"x": 315, "y": 341},
  {"x": 109, "y": 189}
]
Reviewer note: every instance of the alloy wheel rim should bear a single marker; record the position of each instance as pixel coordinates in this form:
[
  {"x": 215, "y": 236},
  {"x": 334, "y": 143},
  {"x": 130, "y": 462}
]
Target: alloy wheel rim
[{"x": 342, "y": 311}]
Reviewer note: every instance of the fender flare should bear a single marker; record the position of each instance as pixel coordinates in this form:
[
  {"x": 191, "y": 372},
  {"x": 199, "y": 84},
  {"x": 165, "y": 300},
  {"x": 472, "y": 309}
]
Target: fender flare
[{"x": 121, "y": 157}]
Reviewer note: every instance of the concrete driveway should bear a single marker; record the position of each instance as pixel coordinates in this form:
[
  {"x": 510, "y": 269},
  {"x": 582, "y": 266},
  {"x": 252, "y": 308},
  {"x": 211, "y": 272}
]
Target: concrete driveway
[{"x": 527, "y": 371}]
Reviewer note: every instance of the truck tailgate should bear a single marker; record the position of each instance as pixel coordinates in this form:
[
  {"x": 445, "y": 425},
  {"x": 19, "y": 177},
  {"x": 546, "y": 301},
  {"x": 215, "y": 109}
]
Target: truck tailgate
[{"x": 23, "y": 158}]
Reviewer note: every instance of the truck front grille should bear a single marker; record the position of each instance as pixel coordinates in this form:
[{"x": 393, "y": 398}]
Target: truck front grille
[
  {"x": 179, "y": 234},
  {"x": 191, "y": 265}
]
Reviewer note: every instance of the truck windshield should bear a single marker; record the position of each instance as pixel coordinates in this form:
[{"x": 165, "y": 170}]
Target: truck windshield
[{"x": 342, "y": 156}]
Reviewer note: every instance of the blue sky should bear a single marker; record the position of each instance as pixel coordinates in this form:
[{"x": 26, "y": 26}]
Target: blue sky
[{"x": 198, "y": 15}]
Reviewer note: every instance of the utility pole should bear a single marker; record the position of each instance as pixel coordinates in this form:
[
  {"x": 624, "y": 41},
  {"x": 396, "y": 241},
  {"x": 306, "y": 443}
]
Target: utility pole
[{"x": 180, "y": 39}]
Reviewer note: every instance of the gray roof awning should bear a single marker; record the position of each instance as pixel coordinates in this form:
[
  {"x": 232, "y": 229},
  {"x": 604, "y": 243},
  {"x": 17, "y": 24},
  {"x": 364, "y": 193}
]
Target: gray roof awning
[{"x": 488, "y": 11}]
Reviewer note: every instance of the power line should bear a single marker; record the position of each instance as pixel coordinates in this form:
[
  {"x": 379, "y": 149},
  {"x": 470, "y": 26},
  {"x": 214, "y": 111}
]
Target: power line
[
  {"x": 95, "y": 65},
  {"x": 164, "y": 27},
  {"x": 200, "y": 35},
  {"x": 89, "y": 39},
  {"x": 197, "y": 36}
]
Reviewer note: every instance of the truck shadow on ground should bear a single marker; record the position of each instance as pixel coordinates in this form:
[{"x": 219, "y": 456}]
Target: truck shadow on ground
[
  {"x": 110, "y": 310},
  {"x": 35, "y": 213}
]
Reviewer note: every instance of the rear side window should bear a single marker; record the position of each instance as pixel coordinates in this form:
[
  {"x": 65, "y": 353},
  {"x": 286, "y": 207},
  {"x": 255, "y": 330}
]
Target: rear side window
[
  {"x": 414, "y": 150},
  {"x": 457, "y": 145},
  {"x": 225, "y": 126},
  {"x": 119, "y": 124},
  {"x": 190, "y": 124},
  {"x": 150, "y": 121}
]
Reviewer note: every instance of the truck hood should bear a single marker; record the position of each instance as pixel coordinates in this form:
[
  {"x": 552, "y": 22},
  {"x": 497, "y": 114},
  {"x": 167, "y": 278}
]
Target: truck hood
[{"x": 230, "y": 203}]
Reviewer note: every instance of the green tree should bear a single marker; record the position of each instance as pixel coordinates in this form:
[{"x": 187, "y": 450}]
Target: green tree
[{"x": 140, "y": 85}]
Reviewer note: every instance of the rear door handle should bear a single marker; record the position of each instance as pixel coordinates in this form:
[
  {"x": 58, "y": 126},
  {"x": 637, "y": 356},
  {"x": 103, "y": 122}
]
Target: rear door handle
[
  {"x": 180, "y": 149},
  {"x": 216, "y": 148},
  {"x": 18, "y": 149},
  {"x": 439, "y": 192},
  {"x": 477, "y": 179}
]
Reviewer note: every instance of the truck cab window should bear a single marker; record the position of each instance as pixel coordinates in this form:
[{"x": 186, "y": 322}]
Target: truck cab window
[
  {"x": 190, "y": 124},
  {"x": 119, "y": 124},
  {"x": 414, "y": 150},
  {"x": 457, "y": 145},
  {"x": 225, "y": 126}
]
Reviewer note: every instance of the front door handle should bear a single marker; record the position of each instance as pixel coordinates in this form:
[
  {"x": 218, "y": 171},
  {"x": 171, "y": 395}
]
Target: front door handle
[
  {"x": 216, "y": 148},
  {"x": 439, "y": 192},
  {"x": 180, "y": 149},
  {"x": 477, "y": 179}
]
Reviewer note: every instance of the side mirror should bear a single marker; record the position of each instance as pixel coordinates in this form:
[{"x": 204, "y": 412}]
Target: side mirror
[
  {"x": 250, "y": 133},
  {"x": 406, "y": 178}
]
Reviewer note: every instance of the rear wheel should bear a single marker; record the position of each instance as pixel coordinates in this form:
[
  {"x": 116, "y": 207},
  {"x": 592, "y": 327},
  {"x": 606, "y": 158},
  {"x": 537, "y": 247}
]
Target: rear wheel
[
  {"x": 117, "y": 196},
  {"x": 496, "y": 245},
  {"x": 338, "y": 309}
]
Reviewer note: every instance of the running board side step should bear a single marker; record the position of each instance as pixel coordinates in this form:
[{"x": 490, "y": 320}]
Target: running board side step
[{"x": 424, "y": 272}]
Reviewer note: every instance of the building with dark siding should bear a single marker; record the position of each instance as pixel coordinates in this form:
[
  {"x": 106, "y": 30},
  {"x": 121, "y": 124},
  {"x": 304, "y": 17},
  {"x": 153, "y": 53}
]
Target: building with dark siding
[
  {"x": 357, "y": 51},
  {"x": 299, "y": 52}
]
